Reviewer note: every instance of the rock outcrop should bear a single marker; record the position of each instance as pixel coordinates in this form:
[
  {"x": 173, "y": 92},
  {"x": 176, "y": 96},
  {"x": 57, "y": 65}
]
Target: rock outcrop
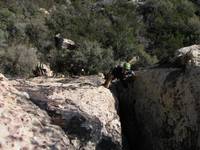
[
  {"x": 42, "y": 70},
  {"x": 2, "y": 77},
  {"x": 65, "y": 113},
  {"x": 192, "y": 52},
  {"x": 160, "y": 109},
  {"x": 24, "y": 126},
  {"x": 184, "y": 58},
  {"x": 64, "y": 43}
]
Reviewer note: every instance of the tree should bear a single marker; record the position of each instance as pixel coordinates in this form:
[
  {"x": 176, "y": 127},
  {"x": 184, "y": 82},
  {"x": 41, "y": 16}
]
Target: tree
[
  {"x": 170, "y": 25},
  {"x": 91, "y": 58}
]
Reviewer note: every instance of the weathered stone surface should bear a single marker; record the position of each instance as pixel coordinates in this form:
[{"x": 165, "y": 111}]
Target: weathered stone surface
[
  {"x": 64, "y": 43},
  {"x": 186, "y": 57},
  {"x": 160, "y": 109},
  {"x": 23, "y": 126},
  {"x": 2, "y": 77},
  {"x": 42, "y": 70},
  {"x": 193, "y": 52},
  {"x": 83, "y": 109}
]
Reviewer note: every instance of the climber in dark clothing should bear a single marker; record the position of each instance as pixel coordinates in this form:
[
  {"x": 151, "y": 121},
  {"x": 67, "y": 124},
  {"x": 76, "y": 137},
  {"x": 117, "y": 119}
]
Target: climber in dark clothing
[{"x": 120, "y": 73}]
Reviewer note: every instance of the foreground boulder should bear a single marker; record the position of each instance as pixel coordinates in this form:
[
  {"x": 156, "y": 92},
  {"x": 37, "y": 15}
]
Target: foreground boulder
[
  {"x": 85, "y": 111},
  {"x": 160, "y": 109},
  {"x": 23, "y": 126},
  {"x": 2, "y": 77}
]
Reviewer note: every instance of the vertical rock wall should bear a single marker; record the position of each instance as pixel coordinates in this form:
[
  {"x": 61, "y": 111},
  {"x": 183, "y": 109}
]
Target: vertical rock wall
[{"x": 160, "y": 110}]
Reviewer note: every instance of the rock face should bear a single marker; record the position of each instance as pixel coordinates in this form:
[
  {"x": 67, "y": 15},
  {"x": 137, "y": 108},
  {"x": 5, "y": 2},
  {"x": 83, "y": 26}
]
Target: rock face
[
  {"x": 193, "y": 52},
  {"x": 64, "y": 43},
  {"x": 42, "y": 70},
  {"x": 184, "y": 58},
  {"x": 85, "y": 111},
  {"x": 24, "y": 126},
  {"x": 160, "y": 109}
]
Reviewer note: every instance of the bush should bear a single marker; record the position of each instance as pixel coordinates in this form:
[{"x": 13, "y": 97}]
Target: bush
[
  {"x": 58, "y": 60},
  {"x": 170, "y": 25},
  {"x": 144, "y": 58},
  {"x": 105, "y": 33},
  {"x": 6, "y": 18},
  {"x": 18, "y": 60},
  {"x": 92, "y": 58},
  {"x": 89, "y": 58},
  {"x": 113, "y": 26}
]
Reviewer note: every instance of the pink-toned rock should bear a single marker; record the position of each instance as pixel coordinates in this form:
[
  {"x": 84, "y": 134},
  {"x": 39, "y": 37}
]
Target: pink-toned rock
[
  {"x": 43, "y": 113},
  {"x": 2, "y": 77},
  {"x": 18, "y": 116},
  {"x": 85, "y": 110}
]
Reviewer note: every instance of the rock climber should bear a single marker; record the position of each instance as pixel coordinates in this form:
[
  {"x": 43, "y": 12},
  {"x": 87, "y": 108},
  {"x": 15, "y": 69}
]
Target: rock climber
[{"x": 121, "y": 72}]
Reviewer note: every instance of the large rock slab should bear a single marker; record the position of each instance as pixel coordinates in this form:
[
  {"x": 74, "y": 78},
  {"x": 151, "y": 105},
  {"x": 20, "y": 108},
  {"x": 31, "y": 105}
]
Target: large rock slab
[
  {"x": 85, "y": 111},
  {"x": 192, "y": 51},
  {"x": 160, "y": 109},
  {"x": 23, "y": 126}
]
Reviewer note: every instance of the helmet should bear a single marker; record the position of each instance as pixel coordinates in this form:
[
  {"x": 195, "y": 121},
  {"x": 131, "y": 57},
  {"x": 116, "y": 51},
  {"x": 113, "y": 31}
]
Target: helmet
[{"x": 127, "y": 66}]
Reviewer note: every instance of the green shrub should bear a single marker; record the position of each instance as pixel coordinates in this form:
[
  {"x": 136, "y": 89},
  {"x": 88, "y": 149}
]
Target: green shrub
[
  {"x": 170, "y": 25},
  {"x": 113, "y": 26},
  {"x": 104, "y": 33},
  {"x": 18, "y": 60},
  {"x": 89, "y": 58},
  {"x": 145, "y": 59},
  {"x": 92, "y": 58},
  {"x": 58, "y": 60}
]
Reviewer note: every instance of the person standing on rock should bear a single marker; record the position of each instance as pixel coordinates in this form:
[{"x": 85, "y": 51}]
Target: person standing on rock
[{"x": 120, "y": 72}]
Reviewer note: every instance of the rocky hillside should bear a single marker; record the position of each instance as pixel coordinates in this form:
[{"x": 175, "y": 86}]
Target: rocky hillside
[
  {"x": 160, "y": 109},
  {"x": 58, "y": 114},
  {"x": 101, "y": 32}
]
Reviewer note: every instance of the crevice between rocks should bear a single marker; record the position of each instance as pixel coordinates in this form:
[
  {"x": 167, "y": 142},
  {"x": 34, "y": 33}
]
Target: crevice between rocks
[
  {"x": 76, "y": 128},
  {"x": 71, "y": 127},
  {"x": 131, "y": 130}
]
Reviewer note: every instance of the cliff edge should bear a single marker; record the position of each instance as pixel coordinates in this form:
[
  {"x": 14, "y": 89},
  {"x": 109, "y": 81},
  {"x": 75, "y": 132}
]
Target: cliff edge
[
  {"x": 160, "y": 109},
  {"x": 58, "y": 114}
]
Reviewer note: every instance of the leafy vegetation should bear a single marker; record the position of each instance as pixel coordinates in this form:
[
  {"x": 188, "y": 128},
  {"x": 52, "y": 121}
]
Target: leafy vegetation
[
  {"x": 105, "y": 33},
  {"x": 170, "y": 25},
  {"x": 18, "y": 60}
]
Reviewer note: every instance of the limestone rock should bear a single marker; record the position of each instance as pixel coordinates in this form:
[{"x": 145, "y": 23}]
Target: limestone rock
[
  {"x": 160, "y": 109},
  {"x": 42, "y": 70},
  {"x": 192, "y": 51},
  {"x": 26, "y": 127},
  {"x": 85, "y": 111},
  {"x": 186, "y": 57},
  {"x": 2, "y": 77},
  {"x": 44, "y": 11},
  {"x": 64, "y": 43}
]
